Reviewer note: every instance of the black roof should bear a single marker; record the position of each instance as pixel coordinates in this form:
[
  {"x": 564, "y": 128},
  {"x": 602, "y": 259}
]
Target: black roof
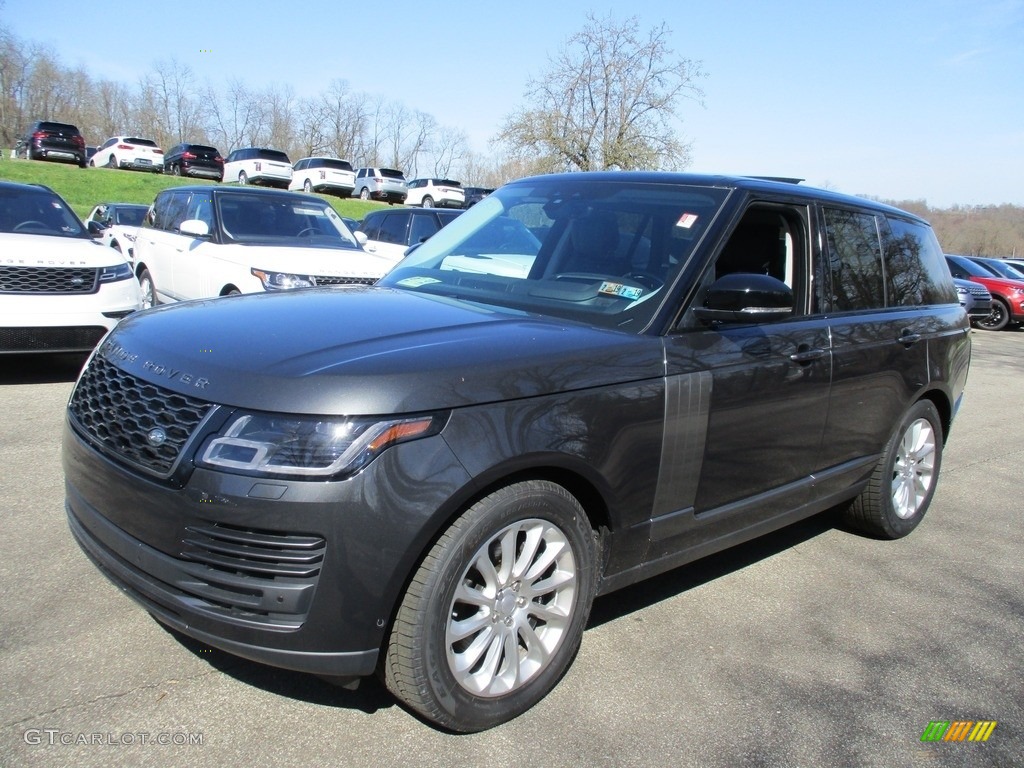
[{"x": 754, "y": 184}]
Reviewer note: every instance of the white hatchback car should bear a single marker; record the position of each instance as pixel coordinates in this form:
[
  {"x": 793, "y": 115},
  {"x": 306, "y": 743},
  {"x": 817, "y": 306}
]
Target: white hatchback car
[
  {"x": 323, "y": 174},
  {"x": 129, "y": 152},
  {"x": 203, "y": 241},
  {"x": 436, "y": 193},
  {"x": 60, "y": 290}
]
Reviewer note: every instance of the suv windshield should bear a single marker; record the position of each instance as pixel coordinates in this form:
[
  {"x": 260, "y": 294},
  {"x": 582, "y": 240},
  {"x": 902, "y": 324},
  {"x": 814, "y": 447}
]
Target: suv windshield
[
  {"x": 37, "y": 212},
  {"x": 282, "y": 220},
  {"x": 594, "y": 251}
]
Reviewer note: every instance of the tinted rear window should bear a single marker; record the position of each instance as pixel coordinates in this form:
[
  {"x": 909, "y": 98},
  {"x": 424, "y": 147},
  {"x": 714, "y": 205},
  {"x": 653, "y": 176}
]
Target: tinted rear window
[
  {"x": 141, "y": 142},
  {"x": 273, "y": 154},
  {"x": 391, "y": 173},
  {"x": 58, "y": 127},
  {"x": 338, "y": 165}
]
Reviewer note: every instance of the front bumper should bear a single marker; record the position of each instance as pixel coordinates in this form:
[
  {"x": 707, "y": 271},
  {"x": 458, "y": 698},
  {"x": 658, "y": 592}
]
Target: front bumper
[{"x": 295, "y": 574}]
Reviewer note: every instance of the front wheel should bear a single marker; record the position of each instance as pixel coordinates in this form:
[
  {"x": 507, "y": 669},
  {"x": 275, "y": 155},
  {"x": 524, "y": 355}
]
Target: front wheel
[
  {"x": 242, "y": 178},
  {"x": 495, "y": 614},
  {"x": 364, "y": 194},
  {"x": 148, "y": 290},
  {"x": 998, "y": 319},
  {"x": 307, "y": 186},
  {"x": 428, "y": 202},
  {"x": 903, "y": 483}
]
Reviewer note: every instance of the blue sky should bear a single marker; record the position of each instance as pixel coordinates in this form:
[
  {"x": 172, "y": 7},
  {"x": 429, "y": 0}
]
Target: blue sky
[{"x": 921, "y": 99}]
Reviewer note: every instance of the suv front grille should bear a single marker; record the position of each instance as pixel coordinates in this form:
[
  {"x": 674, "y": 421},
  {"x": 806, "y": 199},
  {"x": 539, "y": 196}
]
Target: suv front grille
[
  {"x": 48, "y": 279},
  {"x": 138, "y": 422}
]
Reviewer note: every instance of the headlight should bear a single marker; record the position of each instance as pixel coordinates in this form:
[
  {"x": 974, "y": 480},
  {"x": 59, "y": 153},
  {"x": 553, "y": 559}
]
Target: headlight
[
  {"x": 115, "y": 273},
  {"x": 961, "y": 290},
  {"x": 278, "y": 281},
  {"x": 308, "y": 446}
]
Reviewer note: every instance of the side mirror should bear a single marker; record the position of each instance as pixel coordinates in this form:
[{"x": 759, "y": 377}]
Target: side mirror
[
  {"x": 745, "y": 297},
  {"x": 360, "y": 238},
  {"x": 195, "y": 228}
]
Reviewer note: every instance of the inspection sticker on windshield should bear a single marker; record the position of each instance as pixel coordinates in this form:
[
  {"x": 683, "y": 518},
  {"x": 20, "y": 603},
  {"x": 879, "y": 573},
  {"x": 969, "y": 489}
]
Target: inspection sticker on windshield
[
  {"x": 416, "y": 282},
  {"x": 618, "y": 289},
  {"x": 687, "y": 220}
]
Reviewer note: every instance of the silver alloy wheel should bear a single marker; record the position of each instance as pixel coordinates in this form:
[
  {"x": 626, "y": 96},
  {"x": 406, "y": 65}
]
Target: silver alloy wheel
[
  {"x": 914, "y": 469},
  {"x": 512, "y": 608},
  {"x": 147, "y": 290}
]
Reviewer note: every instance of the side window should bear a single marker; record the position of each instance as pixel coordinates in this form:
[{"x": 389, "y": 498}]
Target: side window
[
  {"x": 393, "y": 229},
  {"x": 175, "y": 212},
  {"x": 200, "y": 206},
  {"x": 370, "y": 226},
  {"x": 422, "y": 228},
  {"x": 855, "y": 260},
  {"x": 770, "y": 239},
  {"x": 158, "y": 213},
  {"x": 915, "y": 270}
]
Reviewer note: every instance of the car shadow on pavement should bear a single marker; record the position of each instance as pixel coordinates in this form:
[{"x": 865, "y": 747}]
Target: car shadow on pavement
[
  {"x": 368, "y": 697},
  {"x": 41, "y": 368},
  {"x": 686, "y": 577}
]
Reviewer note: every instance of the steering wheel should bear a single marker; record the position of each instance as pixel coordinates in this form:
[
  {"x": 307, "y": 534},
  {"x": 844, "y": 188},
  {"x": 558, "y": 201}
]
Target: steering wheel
[
  {"x": 308, "y": 232},
  {"x": 30, "y": 224}
]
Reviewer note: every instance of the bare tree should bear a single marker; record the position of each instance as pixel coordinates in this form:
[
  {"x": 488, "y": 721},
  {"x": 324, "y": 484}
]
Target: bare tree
[
  {"x": 608, "y": 100},
  {"x": 450, "y": 150}
]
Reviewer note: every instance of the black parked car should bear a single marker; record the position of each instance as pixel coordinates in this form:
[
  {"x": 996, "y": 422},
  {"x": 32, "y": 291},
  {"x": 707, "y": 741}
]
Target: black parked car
[
  {"x": 47, "y": 140},
  {"x": 390, "y": 231},
  {"x": 474, "y": 195},
  {"x": 435, "y": 476},
  {"x": 194, "y": 160}
]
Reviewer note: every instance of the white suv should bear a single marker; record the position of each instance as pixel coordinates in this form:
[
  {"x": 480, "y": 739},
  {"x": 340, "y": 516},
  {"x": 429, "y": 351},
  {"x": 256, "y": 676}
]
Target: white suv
[
  {"x": 439, "y": 193},
  {"x": 386, "y": 184},
  {"x": 60, "y": 290},
  {"x": 207, "y": 241},
  {"x": 130, "y": 153},
  {"x": 256, "y": 165},
  {"x": 323, "y": 174}
]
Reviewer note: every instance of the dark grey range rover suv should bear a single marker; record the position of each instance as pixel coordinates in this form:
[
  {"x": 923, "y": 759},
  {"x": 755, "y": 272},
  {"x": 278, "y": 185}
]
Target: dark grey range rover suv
[{"x": 583, "y": 381}]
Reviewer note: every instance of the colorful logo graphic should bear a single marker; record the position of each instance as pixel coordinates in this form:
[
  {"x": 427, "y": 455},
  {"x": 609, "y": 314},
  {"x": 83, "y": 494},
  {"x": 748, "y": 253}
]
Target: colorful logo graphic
[{"x": 958, "y": 730}]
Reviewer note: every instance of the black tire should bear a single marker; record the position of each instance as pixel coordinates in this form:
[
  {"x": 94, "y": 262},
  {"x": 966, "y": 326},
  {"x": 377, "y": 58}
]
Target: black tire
[
  {"x": 428, "y": 202},
  {"x": 149, "y": 298},
  {"x": 175, "y": 170},
  {"x": 364, "y": 194},
  {"x": 111, "y": 162},
  {"x": 538, "y": 617},
  {"x": 903, "y": 483},
  {"x": 242, "y": 178},
  {"x": 998, "y": 319}
]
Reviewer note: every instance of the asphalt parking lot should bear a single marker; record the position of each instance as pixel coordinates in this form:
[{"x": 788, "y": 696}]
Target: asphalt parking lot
[{"x": 812, "y": 647}]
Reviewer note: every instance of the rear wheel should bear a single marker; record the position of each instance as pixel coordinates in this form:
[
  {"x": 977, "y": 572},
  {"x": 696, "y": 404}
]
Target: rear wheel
[
  {"x": 307, "y": 185},
  {"x": 175, "y": 170},
  {"x": 428, "y": 202},
  {"x": 494, "y": 615},
  {"x": 111, "y": 162},
  {"x": 903, "y": 483},
  {"x": 999, "y": 318},
  {"x": 364, "y": 194},
  {"x": 242, "y": 178}
]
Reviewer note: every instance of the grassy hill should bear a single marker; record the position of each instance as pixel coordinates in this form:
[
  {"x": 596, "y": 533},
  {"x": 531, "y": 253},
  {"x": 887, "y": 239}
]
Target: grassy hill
[{"x": 83, "y": 188}]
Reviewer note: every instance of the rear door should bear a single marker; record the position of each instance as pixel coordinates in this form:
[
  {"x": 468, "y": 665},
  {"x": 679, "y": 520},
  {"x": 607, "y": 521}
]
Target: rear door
[{"x": 891, "y": 299}]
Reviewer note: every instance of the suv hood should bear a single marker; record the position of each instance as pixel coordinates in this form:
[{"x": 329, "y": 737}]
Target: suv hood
[
  {"x": 25, "y": 250},
  {"x": 369, "y": 351}
]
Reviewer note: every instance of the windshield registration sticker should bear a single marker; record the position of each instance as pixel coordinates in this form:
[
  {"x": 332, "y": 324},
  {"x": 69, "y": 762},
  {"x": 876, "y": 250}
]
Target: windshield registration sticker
[{"x": 618, "y": 289}]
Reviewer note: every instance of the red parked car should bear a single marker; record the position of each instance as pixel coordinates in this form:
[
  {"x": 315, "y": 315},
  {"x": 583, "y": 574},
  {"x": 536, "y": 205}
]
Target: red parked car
[{"x": 1007, "y": 294}]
